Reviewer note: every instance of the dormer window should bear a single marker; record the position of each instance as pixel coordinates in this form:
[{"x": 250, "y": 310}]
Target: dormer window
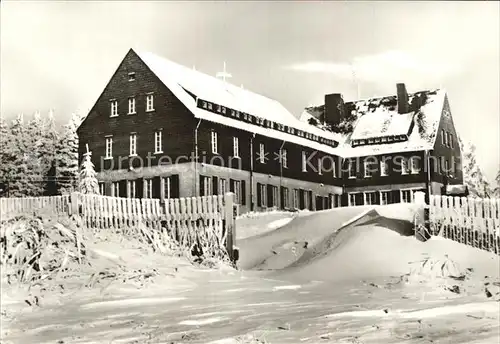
[{"x": 131, "y": 76}]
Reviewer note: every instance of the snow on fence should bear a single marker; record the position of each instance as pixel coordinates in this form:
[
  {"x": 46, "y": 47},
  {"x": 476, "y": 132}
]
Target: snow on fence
[
  {"x": 189, "y": 220},
  {"x": 471, "y": 221}
]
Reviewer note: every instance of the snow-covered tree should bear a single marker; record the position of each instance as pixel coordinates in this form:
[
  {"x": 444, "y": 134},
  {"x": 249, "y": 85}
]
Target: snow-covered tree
[
  {"x": 496, "y": 191},
  {"x": 474, "y": 177},
  {"x": 67, "y": 157},
  {"x": 88, "y": 176}
]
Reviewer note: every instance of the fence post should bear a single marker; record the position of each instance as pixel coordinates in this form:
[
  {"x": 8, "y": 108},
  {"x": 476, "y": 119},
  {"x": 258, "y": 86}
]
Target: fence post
[
  {"x": 230, "y": 223},
  {"x": 422, "y": 225},
  {"x": 73, "y": 204}
]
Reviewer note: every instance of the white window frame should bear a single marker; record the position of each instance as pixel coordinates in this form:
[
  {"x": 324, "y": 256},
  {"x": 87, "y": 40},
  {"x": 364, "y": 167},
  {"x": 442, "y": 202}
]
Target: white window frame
[
  {"x": 131, "y": 76},
  {"x": 214, "y": 142},
  {"x": 166, "y": 187},
  {"x": 115, "y": 189},
  {"x": 148, "y": 188},
  {"x": 284, "y": 159},
  {"x": 109, "y": 147},
  {"x": 384, "y": 168},
  {"x": 351, "y": 202},
  {"x": 306, "y": 199},
  {"x": 352, "y": 163},
  {"x": 131, "y": 106},
  {"x": 158, "y": 141},
  {"x": 237, "y": 191},
  {"x": 133, "y": 144},
  {"x": 150, "y": 102},
  {"x": 402, "y": 192},
  {"x": 443, "y": 139},
  {"x": 236, "y": 147},
  {"x": 286, "y": 198},
  {"x": 405, "y": 169},
  {"x": 275, "y": 195},
  {"x": 131, "y": 189},
  {"x": 368, "y": 171},
  {"x": 304, "y": 162},
  {"x": 262, "y": 153},
  {"x": 413, "y": 165},
  {"x": 263, "y": 195},
  {"x": 369, "y": 197},
  {"x": 114, "y": 108},
  {"x": 296, "y": 197},
  {"x": 451, "y": 141},
  {"x": 222, "y": 187},
  {"x": 447, "y": 167},
  {"x": 386, "y": 200}
]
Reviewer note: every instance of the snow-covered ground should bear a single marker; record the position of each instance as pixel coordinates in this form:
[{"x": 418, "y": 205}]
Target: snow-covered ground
[{"x": 305, "y": 278}]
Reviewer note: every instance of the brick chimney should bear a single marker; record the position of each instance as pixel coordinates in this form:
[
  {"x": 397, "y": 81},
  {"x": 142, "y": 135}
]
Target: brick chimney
[
  {"x": 403, "y": 106},
  {"x": 334, "y": 108}
]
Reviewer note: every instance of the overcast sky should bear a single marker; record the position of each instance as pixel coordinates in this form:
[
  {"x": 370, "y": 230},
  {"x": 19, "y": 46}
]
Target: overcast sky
[{"x": 60, "y": 55}]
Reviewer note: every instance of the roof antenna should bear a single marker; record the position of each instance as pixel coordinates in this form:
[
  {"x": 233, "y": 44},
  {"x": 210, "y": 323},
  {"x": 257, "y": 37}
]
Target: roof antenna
[{"x": 224, "y": 74}]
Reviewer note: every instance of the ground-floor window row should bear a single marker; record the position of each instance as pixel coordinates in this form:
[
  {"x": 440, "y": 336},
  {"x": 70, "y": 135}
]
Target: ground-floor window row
[
  {"x": 382, "y": 197},
  {"x": 156, "y": 187}
]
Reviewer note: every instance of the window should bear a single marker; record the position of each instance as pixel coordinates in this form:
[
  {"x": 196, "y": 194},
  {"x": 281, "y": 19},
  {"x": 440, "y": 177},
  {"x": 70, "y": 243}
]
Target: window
[
  {"x": 148, "y": 188},
  {"x": 415, "y": 164},
  {"x": 447, "y": 167},
  {"x": 115, "y": 189},
  {"x": 237, "y": 190},
  {"x": 236, "y": 147},
  {"x": 451, "y": 141},
  {"x": 406, "y": 196},
  {"x": 307, "y": 205},
  {"x": 133, "y": 144},
  {"x": 214, "y": 142},
  {"x": 352, "y": 199},
  {"x": 131, "y": 76},
  {"x": 320, "y": 166},
  {"x": 442, "y": 137},
  {"x": 262, "y": 153},
  {"x": 370, "y": 198},
  {"x": 102, "y": 189},
  {"x": 114, "y": 108},
  {"x": 384, "y": 168},
  {"x": 206, "y": 186},
  {"x": 368, "y": 169},
  {"x": 109, "y": 147},
  {"x": 405, "y": 169},
  {"x": 131, "y": 188},
  {"x": 384, "y": 197},
  {"x": 295, "y": 199},
  {"x": 284, "y": 160},
  {"x": 131, "y": 106},
  {"x": 261, "y": 195},
  {"x": 274, "y": 196},
  {"x": 158, "y": 143},
  {"x": 304, "y": 162},
  {"x": 222, "y": 186},
  {"x": 352, "y": 169},
  {"x": 286, "y": 198},
  {"x": 149, "y": 102}
]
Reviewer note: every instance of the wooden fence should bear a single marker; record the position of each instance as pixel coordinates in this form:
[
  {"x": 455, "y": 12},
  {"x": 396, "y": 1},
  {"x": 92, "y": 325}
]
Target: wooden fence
[
  {"x": 188, "y": 219},
  {"x": 471, "y": 221}
]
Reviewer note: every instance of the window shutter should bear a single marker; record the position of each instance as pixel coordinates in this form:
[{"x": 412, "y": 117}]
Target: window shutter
[
  {"x": 215, "y": 185},
  {"x": 301, "y": 199},
  {"x": 174, "y": 186},
  {"x": 282, "y": 197},
  {"x": 259, "y": 194},
  {"x": 122, "y": 188},
  {"x": 202, "y": 186},
  {"x": 270, "y": 202},
  {"x": 139, "y": 187},
  {"x": 156, "y": 192},
  {"x": 231, "y": 185},
  {"x": 243, "y": 193}
]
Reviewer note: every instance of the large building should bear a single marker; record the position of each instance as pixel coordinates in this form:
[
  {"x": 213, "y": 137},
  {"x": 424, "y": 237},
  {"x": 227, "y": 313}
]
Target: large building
[{"x": 163, "y": 130}]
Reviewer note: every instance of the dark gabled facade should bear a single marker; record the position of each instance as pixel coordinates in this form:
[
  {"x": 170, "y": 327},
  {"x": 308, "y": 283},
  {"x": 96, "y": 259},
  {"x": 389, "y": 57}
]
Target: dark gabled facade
[{"x": 151, "y": 151}]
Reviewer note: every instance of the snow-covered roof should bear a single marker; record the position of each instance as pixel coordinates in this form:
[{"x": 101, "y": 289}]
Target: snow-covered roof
[
  {"x": 378, "y": 128},
  {"x": 185, "y": 82}
]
